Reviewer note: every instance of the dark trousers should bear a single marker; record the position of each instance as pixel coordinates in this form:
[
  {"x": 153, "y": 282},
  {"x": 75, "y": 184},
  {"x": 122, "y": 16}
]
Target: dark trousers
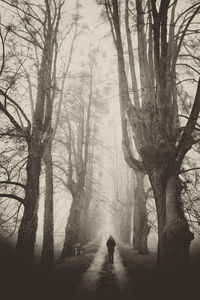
[{"x": 111, "y": 256}]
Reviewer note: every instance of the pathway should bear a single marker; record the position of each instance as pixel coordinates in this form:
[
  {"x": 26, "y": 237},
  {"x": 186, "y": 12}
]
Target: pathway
[{"x": 104, "y": 281}]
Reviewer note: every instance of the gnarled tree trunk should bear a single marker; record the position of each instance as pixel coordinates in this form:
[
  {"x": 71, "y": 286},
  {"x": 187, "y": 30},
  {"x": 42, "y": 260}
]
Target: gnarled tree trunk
[
  {"x": 140, "y": 226},
  {"x": 73, "y": 230},
  {"x": 28, "y": 227},
  {"x": 173, "y": 229}
]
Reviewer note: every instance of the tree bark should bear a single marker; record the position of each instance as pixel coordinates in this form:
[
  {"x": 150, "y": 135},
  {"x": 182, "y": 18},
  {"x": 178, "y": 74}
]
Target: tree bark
[
  {"x": 126, "y": 219},
  {"x": 28, "y": 227},
  {"x": 73, "y": 230},
  {"x": 82, "y": 224},
  {"x": 128, "y": 214},
  {"x": 140, "y": 226},
  {"x": 173, "y": 229},
  {"x": 48, "y": 227}
]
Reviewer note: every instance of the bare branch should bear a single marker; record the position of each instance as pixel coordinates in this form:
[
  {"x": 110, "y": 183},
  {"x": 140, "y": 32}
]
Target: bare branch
[
  {"x": 11, "y": 118},
  {"x": 14, "y": 183},
  {"x": 16, "y": 213},
  {"x": 3, "y": 50},
  {"x": 12, "y": 4},
  {"x": 18, "y": 107},
  {"x": 187, "y": 140},
  {"x": 183, "y": 35},
  {"x": 21, "y": 200}
]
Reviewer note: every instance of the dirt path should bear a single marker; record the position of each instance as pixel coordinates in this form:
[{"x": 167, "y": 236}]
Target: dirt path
[{"x": 104, "y": 280}]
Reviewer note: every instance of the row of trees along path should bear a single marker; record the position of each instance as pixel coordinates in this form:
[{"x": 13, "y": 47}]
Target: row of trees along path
[
  {"x": 38, "y": 133},
  {"x": 149, "y": 107},
  {"x": 58, "y": 120},
  {"x": 152, "y": 109}
]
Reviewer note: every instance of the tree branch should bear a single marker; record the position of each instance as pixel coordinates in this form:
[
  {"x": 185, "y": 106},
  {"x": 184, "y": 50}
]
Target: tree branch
[
  {"x": 182, "y": 37},
  {"x": 14, "y": 183},
  {"x": 21, "y": 200},
  {"x": 10, "y": 117},
  {"x": 17, "y": 106},
  {"x": 187, "y": 140},
  {"x": 3, "y": 50},
  {"x": 192, "y": 169}
]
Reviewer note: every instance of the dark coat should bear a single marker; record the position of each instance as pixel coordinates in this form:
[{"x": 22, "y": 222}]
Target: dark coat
[{"x": 110, "y": 244}]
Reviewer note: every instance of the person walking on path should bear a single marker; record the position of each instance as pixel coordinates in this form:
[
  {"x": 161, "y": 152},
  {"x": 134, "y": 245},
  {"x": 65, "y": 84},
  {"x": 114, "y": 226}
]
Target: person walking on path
[{"x": 111, "y": 248}]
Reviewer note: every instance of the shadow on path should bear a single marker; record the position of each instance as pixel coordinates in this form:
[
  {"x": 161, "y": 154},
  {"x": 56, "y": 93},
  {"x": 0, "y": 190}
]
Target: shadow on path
[{"x": 105, "y": 281}]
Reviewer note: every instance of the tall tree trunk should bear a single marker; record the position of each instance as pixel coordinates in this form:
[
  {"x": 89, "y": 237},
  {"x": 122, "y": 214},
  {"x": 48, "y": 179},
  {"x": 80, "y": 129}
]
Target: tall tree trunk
[
  {"x": 82, "y": 226},
  {"x": 86, "y": 227},
  {"x": 173, "y": 229},
  {"x": 88, "y": 198},
  {"x": 128, "y": 214},
  {"x": 72, "y": 230},
  {"x": 48, "y": 227},
  {"x": 140, "y": 226},
  {"x": 126, "y": 224},
  {"x": 28, "y": 227}
]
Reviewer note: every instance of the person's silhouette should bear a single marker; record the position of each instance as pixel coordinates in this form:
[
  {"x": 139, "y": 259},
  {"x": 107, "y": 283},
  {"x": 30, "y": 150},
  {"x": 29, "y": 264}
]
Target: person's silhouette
[{"x": 111, "y": 248}]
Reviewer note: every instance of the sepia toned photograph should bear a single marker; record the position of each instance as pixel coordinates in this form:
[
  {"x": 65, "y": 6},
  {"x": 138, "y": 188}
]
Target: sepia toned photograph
[{"x": 99, "y": 149}]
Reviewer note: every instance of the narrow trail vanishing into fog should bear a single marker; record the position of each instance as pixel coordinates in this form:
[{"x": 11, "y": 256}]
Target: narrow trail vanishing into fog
[{"x": 104, "y": 280}]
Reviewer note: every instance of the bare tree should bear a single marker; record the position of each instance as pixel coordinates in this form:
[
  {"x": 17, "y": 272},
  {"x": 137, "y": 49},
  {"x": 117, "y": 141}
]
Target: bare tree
[
  {"x": 38, "y": 28},
  {"x": 77, "y": 130},
  {"x": 153, "y": 112},
  {"x": 48, "y": 229}
]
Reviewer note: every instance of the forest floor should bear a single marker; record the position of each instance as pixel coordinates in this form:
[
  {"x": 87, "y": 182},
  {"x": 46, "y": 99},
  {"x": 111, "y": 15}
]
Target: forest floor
[{"x": 91, "y": 277}]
